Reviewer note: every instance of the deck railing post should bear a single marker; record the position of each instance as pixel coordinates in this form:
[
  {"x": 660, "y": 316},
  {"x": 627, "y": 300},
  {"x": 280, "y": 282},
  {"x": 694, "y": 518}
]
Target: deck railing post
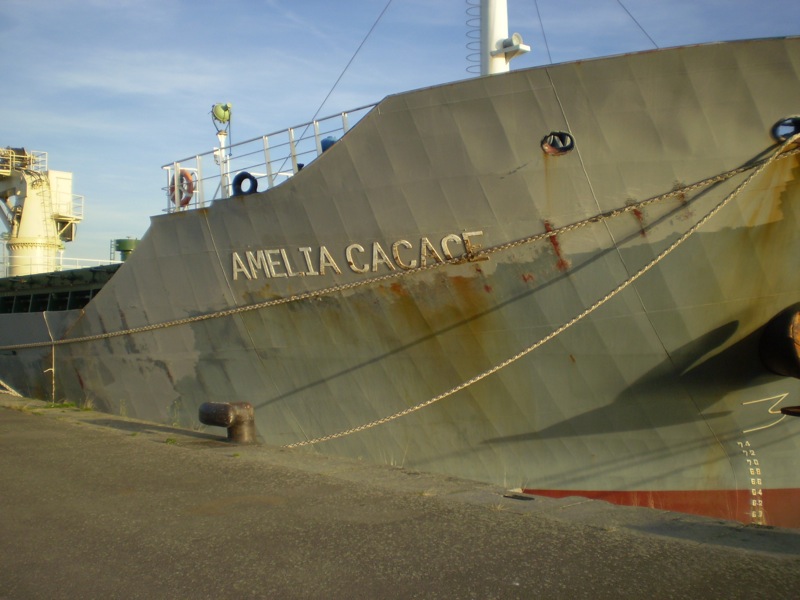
[
  {"x": 268, "y": 162},
  {"x": 316, "y": 138},
  {"x": 175, "y": 186},
  {"x": 293, "y": 150},
  {"x": 201, "y": 196}
]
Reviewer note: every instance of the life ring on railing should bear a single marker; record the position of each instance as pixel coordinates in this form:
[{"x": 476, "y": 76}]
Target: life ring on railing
[
  {"x": 186, "y": 187},
  {"x": 240, "y": 179}
]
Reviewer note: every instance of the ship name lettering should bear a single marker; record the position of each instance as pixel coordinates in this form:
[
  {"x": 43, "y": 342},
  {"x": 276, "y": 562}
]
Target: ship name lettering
[{"x": 360, "y": 258}]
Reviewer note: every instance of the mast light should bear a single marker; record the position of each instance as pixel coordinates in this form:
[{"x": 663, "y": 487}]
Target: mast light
[{"x": 221, "y": 112}]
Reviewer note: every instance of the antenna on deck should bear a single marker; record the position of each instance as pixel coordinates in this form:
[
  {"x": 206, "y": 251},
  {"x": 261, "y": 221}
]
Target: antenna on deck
[
  {"x": 497, "y": 48},
  {"x": 489, "y": 37}
]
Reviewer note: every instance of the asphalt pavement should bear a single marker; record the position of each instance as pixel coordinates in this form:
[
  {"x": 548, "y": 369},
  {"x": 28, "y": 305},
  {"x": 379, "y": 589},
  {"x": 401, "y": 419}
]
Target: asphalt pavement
[{"x": 99, "y": 506}]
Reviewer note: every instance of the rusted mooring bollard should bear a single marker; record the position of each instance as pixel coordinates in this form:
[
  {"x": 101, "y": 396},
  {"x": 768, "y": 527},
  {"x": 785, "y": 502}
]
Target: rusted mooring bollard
[{"x": 238, "y": 417}]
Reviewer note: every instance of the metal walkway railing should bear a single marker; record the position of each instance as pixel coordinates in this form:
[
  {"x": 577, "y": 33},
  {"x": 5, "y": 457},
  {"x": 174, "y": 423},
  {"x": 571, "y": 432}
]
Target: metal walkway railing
[{"x": 270, "y": 159}]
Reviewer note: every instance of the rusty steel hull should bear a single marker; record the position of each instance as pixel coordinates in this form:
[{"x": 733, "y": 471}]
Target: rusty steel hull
[{"x": 657, "y": 396}]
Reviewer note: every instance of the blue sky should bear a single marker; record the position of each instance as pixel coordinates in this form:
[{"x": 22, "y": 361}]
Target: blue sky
[{"x": 113, "y": 89}]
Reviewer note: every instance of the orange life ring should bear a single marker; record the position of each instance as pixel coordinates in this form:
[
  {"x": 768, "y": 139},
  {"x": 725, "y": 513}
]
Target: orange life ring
[{"x": 186, "y": 187}]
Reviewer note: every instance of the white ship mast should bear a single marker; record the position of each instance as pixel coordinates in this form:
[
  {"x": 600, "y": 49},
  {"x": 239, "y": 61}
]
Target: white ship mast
[
  {"x": 497, "y": 48},
  {"x": 38, "y": 210}
]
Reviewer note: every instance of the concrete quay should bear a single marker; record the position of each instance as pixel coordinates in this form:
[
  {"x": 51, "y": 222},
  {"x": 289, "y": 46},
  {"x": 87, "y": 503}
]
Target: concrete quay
[{"x": 99, "y": 506}]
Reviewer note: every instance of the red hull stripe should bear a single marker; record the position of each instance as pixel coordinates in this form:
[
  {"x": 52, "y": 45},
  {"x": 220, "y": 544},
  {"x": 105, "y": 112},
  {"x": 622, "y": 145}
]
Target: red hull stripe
[{"x": 777, "y": 507}]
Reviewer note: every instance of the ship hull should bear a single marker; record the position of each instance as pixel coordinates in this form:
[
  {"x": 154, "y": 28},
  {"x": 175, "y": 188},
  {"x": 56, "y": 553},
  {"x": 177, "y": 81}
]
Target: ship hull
[{"x": 554, "y": 365}]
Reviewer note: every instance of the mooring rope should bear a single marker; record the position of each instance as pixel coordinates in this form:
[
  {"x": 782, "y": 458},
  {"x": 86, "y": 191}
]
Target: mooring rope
[
  {"x": 9, "y": 390},
  {"x": 472, "y": 256},
  {"x": 686, "y": 235}
]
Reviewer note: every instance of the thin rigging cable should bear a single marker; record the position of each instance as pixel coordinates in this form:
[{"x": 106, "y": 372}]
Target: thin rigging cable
[
  {"x": 544, "y": 35},
  {"x": 338, "y": 79},
  {"x": 352, "y": 58},
  {"x": 652, "y": 41}
]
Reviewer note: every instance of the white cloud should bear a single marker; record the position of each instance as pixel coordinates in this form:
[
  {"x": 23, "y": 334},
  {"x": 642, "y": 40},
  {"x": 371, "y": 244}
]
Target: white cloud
[{"x": 144, "y": 73}]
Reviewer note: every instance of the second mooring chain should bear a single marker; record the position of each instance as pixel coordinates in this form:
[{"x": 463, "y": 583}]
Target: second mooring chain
[
  {"x": 403, "y": 273},
  {"x": 686, "y": 235}
]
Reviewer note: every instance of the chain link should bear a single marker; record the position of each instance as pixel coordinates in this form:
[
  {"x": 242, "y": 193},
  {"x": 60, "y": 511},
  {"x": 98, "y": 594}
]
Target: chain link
[
  {"x": 470, "y": 256},
  {"x": 8, "y": 389},
  {"x": 758, "y": 168}
]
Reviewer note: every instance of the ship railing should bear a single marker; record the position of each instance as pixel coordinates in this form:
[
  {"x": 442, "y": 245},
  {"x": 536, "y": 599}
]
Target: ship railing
[
  {"x": 39, "y": 161},
  {"x": 66, "y": 264},
  {"x": 70, "y": 210},
  {"x": 270, "y": 159},
  {"x": 12, "y": 265},
  {"x": 77, "y": 206},
  {"x": 16, "y": 159}
]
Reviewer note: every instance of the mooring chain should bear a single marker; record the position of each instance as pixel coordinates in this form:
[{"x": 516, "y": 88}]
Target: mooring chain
[
  {"x": 759, "y": 167},
  {"x": 8, "y": 389},
  {"x": 470, "y": 256}
]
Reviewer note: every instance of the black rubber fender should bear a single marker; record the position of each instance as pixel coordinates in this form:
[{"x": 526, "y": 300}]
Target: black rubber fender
[
  {"x": 240, "y": 179},
  {"x": 779, "y": 347}
]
